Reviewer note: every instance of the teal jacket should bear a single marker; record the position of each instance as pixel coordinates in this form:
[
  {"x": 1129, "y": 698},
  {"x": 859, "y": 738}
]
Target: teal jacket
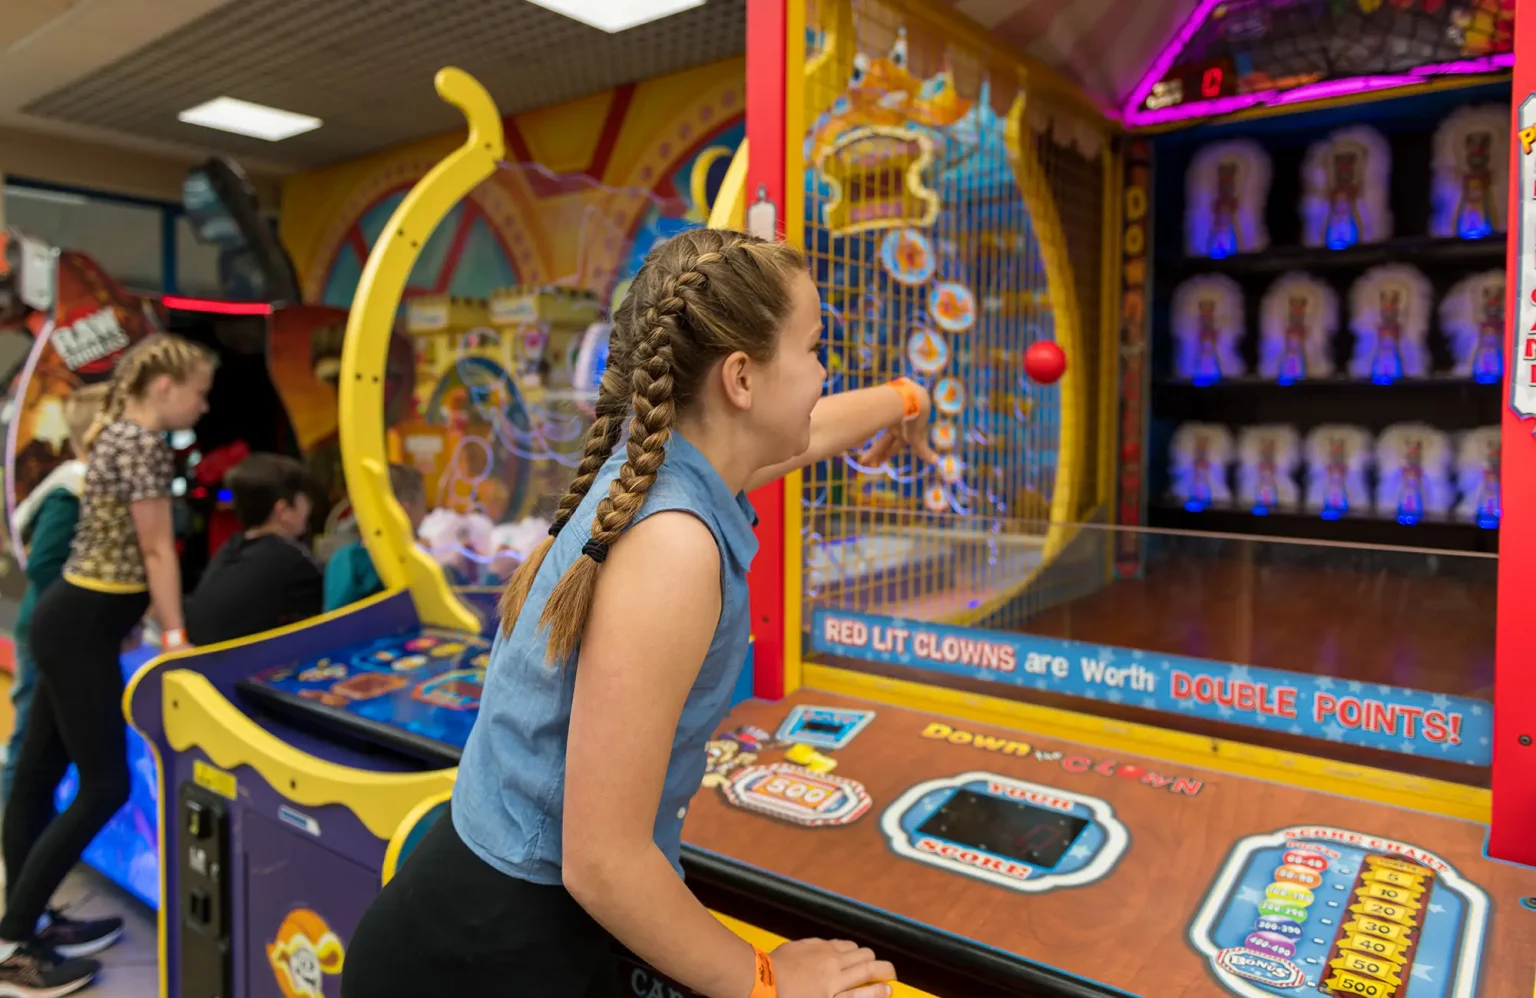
[
  {"x": 46, "y": 522},
  {"x": 350, "y": 576}
]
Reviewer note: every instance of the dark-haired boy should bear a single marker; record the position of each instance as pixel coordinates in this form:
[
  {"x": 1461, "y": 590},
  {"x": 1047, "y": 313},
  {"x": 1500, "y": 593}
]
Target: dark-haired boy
[{"x": 264, "y": 576}]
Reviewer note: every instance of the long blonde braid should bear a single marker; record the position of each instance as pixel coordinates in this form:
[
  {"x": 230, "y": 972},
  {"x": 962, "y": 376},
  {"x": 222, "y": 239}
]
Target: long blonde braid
[{"x": 602, "y": 438}]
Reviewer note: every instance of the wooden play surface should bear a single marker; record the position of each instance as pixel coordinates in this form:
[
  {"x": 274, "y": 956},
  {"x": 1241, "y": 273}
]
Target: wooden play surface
[{"x": 1171, "y": 887}]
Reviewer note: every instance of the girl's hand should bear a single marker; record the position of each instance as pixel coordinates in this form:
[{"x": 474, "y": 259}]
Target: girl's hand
[
  {"x": 816, "y": 968},
  {"x": 135, "y": 638},
  {"x": 911, "y": 432}
]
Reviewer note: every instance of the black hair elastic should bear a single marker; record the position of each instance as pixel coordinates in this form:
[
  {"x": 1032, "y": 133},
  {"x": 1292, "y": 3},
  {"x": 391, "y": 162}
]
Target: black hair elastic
[
  {"x": 596, "y": 550},
  {"x": 554, "y": 528}
]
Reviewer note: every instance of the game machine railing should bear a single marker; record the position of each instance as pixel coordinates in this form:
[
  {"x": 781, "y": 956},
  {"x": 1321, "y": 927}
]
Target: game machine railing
[
  {"x": 954, "y": 680},
  {"x": 298, "y": 768}
]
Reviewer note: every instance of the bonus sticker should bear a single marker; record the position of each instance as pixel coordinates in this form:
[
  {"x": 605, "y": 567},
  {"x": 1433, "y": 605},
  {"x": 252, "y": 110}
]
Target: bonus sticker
[
  {"x": 1275, "y": 971},
  {"x": 322, "y": 671},
  {"x": 796, "y": 794}
]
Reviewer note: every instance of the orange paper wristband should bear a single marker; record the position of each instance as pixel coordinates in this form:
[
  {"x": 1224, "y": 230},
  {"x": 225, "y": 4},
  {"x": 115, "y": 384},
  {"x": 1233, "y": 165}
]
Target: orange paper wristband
[
  {"x": 911, "y": 398},
  {"x": 764, "y": 984}
]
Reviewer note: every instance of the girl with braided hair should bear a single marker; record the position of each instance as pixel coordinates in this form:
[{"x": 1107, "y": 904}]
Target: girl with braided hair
[
  {"x": 122, "y": 561},
  {"x": 621, "y": 640}
]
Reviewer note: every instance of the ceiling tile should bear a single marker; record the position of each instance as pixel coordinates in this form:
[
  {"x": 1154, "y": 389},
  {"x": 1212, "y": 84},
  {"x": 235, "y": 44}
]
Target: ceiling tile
[{"x": 369, "y": 78}]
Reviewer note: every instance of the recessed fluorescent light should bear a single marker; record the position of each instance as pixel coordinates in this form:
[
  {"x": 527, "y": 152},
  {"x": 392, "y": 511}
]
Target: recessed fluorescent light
[
  {"x": 244, "y": 118},
  {"x": 42, "y": 194},
  {"x": 617, "y": 15}
]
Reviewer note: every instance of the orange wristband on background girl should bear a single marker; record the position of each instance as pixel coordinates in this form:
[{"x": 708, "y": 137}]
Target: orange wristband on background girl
[
  {"x": 911, "y": 397},
  {"x": 764, "y": 984}
]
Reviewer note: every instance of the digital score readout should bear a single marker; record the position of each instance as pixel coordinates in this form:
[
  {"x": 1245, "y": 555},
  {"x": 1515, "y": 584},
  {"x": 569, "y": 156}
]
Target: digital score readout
[
  {"x": 1199, "y": 81},
  {"x": 1004, "y": 827}
]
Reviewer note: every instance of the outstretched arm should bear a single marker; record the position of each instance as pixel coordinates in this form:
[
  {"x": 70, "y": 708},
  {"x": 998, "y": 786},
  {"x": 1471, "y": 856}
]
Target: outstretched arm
[{"x": 843, "y": 421}]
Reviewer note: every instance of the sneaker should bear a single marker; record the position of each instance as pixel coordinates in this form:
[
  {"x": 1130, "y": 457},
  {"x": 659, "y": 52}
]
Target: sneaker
[
  {"x": 69, "y": 937},
  {"x": 34, "y": 971}
]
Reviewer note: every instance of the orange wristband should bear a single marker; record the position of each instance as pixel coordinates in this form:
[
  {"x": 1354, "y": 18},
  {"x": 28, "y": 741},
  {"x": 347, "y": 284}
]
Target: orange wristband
[
  {"x": 764, "y": 985},
  {"x": 911, "y": 397}
]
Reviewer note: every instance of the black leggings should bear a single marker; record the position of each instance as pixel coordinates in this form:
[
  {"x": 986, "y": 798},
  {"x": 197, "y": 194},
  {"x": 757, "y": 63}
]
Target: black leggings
[
  {"x": 77, "y": 716},
  {"x": 449, "y": 924}
]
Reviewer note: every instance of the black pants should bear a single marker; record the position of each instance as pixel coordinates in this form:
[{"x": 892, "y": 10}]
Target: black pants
[
  {"x": 77, "y": 717},
  {"x": 448, "y": 924}
]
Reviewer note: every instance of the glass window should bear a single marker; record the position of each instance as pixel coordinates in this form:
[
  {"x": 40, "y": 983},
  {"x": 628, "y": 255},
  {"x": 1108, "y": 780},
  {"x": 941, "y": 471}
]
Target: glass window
[
  {"x": 127, "y": 239},
  {"x": 197, "y": 264}
]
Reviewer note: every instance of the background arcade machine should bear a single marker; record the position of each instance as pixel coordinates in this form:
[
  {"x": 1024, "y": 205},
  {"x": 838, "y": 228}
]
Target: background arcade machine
[
  {"x": 256, "y": 278},
  {"x": 501, "y": 411},
  {"x": 298, "y": 767},
  {"x": 986, "y": 775}
]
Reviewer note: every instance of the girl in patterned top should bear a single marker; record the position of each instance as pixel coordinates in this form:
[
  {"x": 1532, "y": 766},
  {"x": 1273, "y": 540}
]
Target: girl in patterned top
[{"x": 123, "y": 561}]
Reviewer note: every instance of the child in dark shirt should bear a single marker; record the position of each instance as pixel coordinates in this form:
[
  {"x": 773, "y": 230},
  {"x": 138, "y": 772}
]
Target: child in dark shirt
[{"x": 264, "y": 576}]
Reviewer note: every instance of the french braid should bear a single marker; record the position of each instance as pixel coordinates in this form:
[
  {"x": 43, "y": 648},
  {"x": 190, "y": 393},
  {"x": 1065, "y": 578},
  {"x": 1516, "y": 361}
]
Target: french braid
[
  {"x": 602, "y": 438},
  {"x": 699, "y": 297}
]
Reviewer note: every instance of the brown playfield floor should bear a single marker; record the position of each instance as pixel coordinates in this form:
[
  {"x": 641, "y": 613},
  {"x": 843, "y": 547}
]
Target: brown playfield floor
[{"x": 1131, "y": 929}]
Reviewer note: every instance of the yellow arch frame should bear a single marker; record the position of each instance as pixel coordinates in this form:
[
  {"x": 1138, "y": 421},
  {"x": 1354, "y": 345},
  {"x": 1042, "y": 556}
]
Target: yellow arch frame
[{"x": 385, "y": 530}]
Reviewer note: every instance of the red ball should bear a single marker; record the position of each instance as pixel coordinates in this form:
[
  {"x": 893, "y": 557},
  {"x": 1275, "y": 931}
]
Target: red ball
[{"x": 1045, "y": 362}]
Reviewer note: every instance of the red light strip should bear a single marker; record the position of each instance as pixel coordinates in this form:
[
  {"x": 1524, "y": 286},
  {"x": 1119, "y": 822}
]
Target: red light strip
[{"x": 219, "y": 307}]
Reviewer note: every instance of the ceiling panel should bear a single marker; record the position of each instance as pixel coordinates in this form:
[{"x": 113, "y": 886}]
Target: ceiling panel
[
  {"x": 1103, "y": 45},
  {"x": 365, "y": 68}
]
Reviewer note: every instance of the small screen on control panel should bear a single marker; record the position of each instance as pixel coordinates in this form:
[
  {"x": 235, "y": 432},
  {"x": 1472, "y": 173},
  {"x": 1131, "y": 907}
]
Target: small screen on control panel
[{"x": 1022, "y": 832}]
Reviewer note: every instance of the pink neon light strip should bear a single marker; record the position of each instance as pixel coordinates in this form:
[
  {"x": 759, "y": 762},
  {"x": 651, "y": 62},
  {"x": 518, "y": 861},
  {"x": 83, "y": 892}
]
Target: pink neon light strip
[
  {"x": 217, "y": 307},
  {"x": 1159, "y": 67},
  {"x": 1134, "y": 115}
]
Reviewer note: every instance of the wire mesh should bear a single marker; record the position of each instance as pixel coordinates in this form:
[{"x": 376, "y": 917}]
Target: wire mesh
[{"x": 919, "y": 161}]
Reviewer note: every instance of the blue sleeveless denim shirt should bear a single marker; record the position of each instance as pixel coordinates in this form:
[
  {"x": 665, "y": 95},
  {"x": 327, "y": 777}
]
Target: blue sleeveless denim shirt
[{"x": 509, "y": 801}]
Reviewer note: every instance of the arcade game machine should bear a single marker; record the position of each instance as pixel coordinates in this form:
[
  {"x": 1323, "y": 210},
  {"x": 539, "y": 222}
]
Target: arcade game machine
[
  {"x": 949, "y": 757},
  {"x": 256, "y": 278},
  {"x": 498, "y": 423},
  {"x": 297, "y": 768},
  {"x": 896, "y": 780}
]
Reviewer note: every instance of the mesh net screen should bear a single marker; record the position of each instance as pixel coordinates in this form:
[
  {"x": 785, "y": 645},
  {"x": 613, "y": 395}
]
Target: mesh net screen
[{"x": 942, "y": 254}]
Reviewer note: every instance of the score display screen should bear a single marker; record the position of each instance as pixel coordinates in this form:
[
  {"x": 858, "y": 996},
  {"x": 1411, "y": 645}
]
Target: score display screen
[
  {"x": 1021, "y": 832},
  {"x": 1246, "y": 53}
]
